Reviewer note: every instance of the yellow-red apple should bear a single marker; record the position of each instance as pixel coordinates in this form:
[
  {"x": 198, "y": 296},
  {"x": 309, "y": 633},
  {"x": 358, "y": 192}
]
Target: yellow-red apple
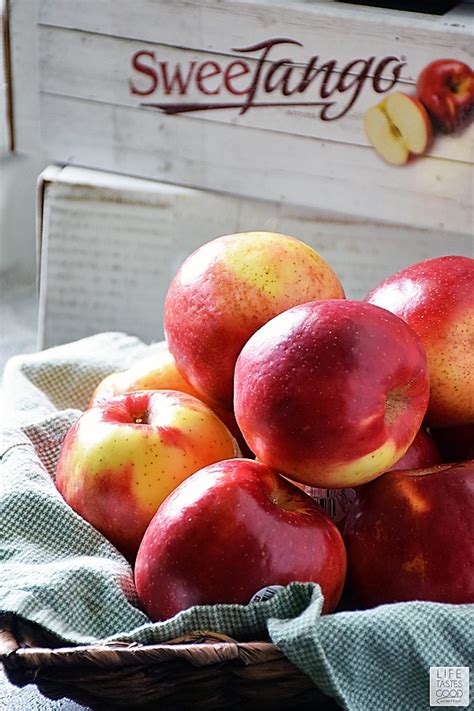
[
  {"x": 230, "y": 530},
  {"x": 436, "y": 298},
  {"x": 123, "y": 457},
  {"x": 331, "y": 393},
  {"x": 159, "y": 372},
  {"x": 225, "y": 291},
  {"x": 154, "y": 372},
  {"x": 409, "y": 537},
  {"x": 446, "y": 89},
  {"x": 397, "y": 127}
]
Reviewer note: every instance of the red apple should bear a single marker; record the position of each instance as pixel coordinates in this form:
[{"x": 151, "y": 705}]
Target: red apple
[
  {"x": 230, "y": 530},
  {"x": 422, "y": 452},
  {"x": 446, "y": 88},
  {"x": 225, "y": 291},
  {"x": 122, "y": 458},
  {"x": 331, "y": 393},
  {"x": 398, "y": 127},
  {"x": 436, "y": 298},
  {"x": 456, "y": 444},
  {"x": 409, "y": 536}
]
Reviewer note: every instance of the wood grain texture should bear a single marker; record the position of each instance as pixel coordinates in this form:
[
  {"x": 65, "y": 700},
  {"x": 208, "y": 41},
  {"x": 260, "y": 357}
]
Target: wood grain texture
[
  {"x": 94, "y": 67},
  {"x": 429, "y": 193},
  {"x": 324, "y": 26}
]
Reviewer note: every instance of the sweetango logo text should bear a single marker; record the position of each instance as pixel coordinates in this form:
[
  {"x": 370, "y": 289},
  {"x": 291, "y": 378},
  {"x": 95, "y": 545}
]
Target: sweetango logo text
[{"x": 266, "y": 79}]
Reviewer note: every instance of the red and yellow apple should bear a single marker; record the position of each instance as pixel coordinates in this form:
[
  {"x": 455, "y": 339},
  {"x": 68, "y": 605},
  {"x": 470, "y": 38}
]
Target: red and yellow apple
[
  {"x": 230, "y": 530},
  {"x": 409, "y": 537},
  {"x": 123, "y": 457},
  {"x": 331, "y": 393},
  {"x": 436, "y": 298},
  {"x": 159, "y": 372},
  {"x": 446, "y": 89},
  {"x": 154, "y": 372},
  {"x": 397, "y": 127},
  {"x": 225, "y": 291}
]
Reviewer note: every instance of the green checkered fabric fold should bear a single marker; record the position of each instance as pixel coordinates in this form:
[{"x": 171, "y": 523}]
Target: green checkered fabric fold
[{"x": 58, "y": 571}]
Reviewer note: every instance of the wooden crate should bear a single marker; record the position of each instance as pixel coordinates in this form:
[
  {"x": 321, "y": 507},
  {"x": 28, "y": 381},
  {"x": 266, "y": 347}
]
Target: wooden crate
[
  {"x": 92, "y": 115},
  {"x": 109, "y": 246}
]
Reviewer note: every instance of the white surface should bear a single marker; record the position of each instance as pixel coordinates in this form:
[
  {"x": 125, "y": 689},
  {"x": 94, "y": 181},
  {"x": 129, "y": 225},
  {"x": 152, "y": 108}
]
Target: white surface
[
  {"x": 19, "y": 171},
  {"x": 18, "y": 314},
  {"x": 111, "y": 244}
]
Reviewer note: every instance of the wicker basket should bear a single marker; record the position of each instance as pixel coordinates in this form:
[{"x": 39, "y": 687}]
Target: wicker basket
[{"x": 205, "y": 670}]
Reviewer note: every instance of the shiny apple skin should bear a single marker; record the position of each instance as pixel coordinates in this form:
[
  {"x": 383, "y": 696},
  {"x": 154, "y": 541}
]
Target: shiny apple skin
[
  {"x": 154, "y": 372},
  {"x": 436, "y": 298},
  {"x": 122, "y": 458},
  {"x": 422, "y": 452},
  {"x": 331, "y": 393},
  {"x": 159, "y": 372},
  {"x": 446, "y": 89},
  {"x": 230, "y": 530},
  {"x": 225, "y": 291},
  {"x": 410, "y": 536}
]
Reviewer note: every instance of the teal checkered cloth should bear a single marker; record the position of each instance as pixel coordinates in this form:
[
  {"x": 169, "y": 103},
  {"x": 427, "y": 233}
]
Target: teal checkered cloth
[{"x": 58, "y": 571}]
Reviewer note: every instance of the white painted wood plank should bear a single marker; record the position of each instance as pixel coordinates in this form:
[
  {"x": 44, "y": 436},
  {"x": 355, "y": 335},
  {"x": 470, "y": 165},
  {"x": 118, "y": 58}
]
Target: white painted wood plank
[
  {"x": 430, "y": 193},
  {"x": 112, "y": 243},
  {"x": 92, "y": 66},
  {"x": 24, "y": 58},
  {"x": 326, "y": 28}
]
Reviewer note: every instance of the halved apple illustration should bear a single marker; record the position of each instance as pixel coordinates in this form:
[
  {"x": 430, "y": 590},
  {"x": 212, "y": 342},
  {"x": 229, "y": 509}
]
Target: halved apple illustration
[{"x": 398, "y": 127}]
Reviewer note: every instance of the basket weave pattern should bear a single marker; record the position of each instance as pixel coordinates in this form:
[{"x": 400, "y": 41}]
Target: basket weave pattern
[{"x": 204, "y": 670}]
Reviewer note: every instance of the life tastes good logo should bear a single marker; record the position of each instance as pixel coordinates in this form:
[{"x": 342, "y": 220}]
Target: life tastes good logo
[{"x": 267, "y": 79}]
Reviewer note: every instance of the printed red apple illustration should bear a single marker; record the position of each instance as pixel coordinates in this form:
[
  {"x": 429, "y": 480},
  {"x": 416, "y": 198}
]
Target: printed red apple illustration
[
  {"x": 409, "y": 537},
  {"x": 398, "y": 127},
  {"x": 230, "y": 530},
  {"x": 446, "y": 89}
]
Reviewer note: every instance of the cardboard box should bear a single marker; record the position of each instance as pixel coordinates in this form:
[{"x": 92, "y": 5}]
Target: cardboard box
[
  {"x": 109, "y": 245},
  {"x": 166, "y": 91}
]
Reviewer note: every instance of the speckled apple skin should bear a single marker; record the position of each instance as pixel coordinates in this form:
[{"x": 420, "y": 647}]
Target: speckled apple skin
[
  {"x": 154, "y": 372},
  {"x": 226, "y": 290},
  {"x": 115, "y": 472},
  {"x": 331, "y": 393},
  {"x": 159, "y": 372},
  {"x": 436, "y": 298},
  {"x": 230, "y": 530},
  {"x": 409, "y": 536}
]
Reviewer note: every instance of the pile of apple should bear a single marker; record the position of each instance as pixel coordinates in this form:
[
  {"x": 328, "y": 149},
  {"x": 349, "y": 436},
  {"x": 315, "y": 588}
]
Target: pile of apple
[{"x": 265, "y": 355}]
